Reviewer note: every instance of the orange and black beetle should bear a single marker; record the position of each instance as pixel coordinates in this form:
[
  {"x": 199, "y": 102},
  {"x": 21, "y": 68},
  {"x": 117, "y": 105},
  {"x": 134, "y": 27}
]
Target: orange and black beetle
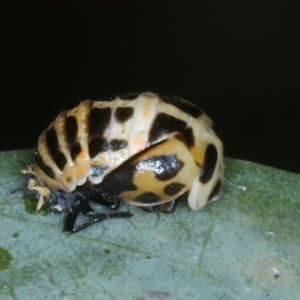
[{"x": 145, "y": 149}]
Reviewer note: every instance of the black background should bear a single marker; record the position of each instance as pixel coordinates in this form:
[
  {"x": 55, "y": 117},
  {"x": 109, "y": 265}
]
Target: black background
[{"x": 239, "y": 61}]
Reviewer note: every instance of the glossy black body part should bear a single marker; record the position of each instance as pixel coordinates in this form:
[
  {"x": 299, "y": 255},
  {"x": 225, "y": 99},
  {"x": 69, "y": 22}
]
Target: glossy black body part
[
  {"x": 166, "y": 208},
  {"x": 78, "y": 202}
]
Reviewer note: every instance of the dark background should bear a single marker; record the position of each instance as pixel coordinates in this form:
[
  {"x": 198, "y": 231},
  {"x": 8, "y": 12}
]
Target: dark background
[{"x": 238, "y": 61}]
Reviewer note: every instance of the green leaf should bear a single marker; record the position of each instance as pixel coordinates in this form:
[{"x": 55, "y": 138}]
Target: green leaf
[{"x": 244, "y": 246}]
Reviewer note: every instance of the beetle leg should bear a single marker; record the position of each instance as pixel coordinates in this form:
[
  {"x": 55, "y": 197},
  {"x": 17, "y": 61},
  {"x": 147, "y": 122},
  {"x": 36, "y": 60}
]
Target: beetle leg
[
  {"x": 149, "y": 209},
  {"x": 70, "y": 220},
  {"x": 170, "y": 207},
  {"x": 75, "y": 203},
  {"x": 99, "y": 196},
  {"x": 84, "y": 208},
  {"x": 167, "y": 208},
  {"x": 69, "y": 226}
]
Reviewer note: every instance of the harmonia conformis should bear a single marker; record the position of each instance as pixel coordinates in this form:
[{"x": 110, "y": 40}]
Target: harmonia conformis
[{"x": 145, "y": 149}]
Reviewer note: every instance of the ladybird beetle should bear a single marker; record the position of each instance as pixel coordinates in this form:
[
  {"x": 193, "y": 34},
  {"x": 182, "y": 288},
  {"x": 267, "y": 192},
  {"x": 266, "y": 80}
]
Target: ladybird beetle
[{"x": 146, "y": 149}]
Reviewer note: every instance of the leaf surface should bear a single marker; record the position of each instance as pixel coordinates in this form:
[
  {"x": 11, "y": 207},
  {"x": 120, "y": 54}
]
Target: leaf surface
[{"x": 244, "y": 246}]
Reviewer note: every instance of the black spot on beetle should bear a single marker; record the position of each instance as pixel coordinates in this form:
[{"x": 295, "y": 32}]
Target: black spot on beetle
[
  {"x": 97, "y": 145},
  {"x": 46, "y": 169},
  {"x": 122, "y": 114},
  {"x": 98, "y": 121},
  {"x": 52, "y": 143},
  {"x": 120, "y": 179},
  {"x": 163, "y": 124},
  {"x": 187, "y": 136},
  {"x": 215, "y": 191},
  {"x": 173, "y": 188},
  {"x": 129, "y": 96},
  {"x": 183, "y": 105},
  {"x": 116, "y": 144},
  {"x": 60, "y": 160},
  {"x": 75, "y": 150},
  {"x": 165, "y": 167},
  {"x": 148, "y": 197},
  {"x": 210, "y": 160},
  {"x": 71, "y": 128}
]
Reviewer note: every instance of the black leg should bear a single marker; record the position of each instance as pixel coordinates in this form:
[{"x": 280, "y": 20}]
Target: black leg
[
  {"x": 85, "y": 207},
  {"x": 70, "y": 220},
  {"x": 92, "y": 219},
  {"x": 149, "y": 209},
  {"x": 81, "y": 205},
  {"x": 99, "y": 196},
  {"x": 75, "y": 203},
  {"x": 169, "y": 207}
]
